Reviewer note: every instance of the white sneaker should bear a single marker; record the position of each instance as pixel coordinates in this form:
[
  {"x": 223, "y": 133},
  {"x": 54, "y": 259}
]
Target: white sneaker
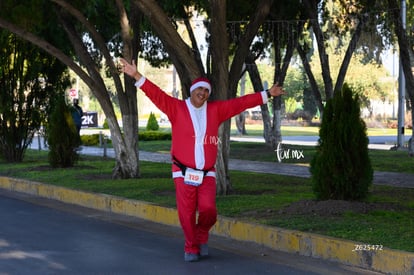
[{"x": 190, "y": 257}]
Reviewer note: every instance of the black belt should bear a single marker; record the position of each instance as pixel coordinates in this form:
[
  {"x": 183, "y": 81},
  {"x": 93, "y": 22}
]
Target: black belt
[{"x": 184, "y": 168}]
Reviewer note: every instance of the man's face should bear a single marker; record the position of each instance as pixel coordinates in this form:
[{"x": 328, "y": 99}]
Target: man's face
[{"x": 199, "y": 96}]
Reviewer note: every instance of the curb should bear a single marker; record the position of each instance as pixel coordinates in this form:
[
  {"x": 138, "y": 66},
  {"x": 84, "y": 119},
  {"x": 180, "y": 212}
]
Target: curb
[{"x": 386, "y": 260}]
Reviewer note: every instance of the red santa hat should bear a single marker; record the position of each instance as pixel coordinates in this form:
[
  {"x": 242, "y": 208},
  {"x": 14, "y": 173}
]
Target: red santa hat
[{"x": 201, "y": 82}]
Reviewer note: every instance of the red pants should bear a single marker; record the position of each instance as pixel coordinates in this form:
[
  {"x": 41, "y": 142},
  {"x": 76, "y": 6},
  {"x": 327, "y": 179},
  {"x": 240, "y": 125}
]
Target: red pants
[{"x": 191, "y": 199}]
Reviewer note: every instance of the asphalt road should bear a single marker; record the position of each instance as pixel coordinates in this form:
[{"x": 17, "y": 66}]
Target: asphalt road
[{"x": 40, "y": 236}]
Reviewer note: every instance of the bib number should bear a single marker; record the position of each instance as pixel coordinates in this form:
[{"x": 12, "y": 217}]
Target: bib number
[{"x": 193, "y": 177}]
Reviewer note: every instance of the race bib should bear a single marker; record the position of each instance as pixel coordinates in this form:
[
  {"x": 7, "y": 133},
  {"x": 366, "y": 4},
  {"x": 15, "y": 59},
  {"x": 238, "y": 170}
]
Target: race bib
[{"x": 193, "y": 177}]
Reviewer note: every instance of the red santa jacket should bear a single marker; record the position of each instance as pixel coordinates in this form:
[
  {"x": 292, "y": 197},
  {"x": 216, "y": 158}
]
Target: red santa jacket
[{"x": 195, "y": 130}]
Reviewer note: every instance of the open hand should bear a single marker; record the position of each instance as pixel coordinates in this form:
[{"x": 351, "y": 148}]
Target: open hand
[
  {"x": 129, "y": 69},
  {"x": 276, "y": 90}
]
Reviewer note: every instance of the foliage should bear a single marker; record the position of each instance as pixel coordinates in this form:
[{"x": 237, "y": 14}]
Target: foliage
[
  {"x": 152, "y": 123},
  {"x": 90, "y": 140},
  {"x": 341, "y": 16},
  {"x": 295, "y": 83},
  {"x": 341, "y": 168},
  {"x": 105, "y": 124},
  {"x": 290, "y": 105},
  {"x": 375, "y": 85},
  {"x": 299, "y": 91},
  {"x": 87, "y": 36},
  {"x": 300, "y": 114},
  {"x": 370, "y": 86},
  {"x": 28, "y": 78},
  {"x": 63, "y": 138},
  {"x": 154, "y": 135},
  {"x": 94, "y": 140}
]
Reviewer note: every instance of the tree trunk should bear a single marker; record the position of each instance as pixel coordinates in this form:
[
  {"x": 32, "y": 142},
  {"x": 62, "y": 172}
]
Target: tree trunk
[
  {"x": 224, "y": 186},
  {"x": 128, "y": 100},
  {"x": 404, "y": 59},
  {"x": 241, "y": 124},
  {"x": 311, "y": 78},
  {"x": 281, "y": 67},
  {"x": 220, "y": 83},
  {"x": 241, "y": 118},
  {"x": 258, "y": 86},
  {"x": 349, "y": 52},
  {"x": 411, "y": 140},
  {"x": 312, "y": 9},
  {"x": 277, "y": 122},
  {"x": 125, "y": 146}
]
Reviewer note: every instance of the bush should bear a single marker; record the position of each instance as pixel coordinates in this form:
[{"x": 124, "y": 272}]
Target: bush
[
  {"x": 152, "y": 124},
  {"x": 63, "y": 138},
  {"x": 341, "y": 168},
  {"x": 105, "y": 124},
  {"x": 300, "y": 114},
  {"x": 154, "y": 135},
  {"x": 90, "y": 140},
  {"x": 93, "y": 140},
  {"x": 290, "y": 105}
]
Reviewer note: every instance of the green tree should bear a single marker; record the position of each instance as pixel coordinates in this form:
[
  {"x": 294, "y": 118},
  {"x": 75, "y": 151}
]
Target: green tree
[
  {"x": 85, "y": 37},
  {"x": 152, "y": 123},
  {"x": 28, "y": 78},
  {"x": 63, "y": 138},
  {"x": 277, "y": 38},
  {"x": 341, "y": 168},
  {"x": 346, "y": 28}
]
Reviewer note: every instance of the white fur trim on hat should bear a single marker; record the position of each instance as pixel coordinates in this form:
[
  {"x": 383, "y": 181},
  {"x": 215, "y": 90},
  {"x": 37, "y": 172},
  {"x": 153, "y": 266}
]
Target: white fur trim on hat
[{"x": 204, "y": 84}]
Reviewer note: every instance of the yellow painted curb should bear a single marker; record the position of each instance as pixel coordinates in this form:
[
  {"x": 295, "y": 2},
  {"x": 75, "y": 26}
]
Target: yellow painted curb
[{"x": 307, "y": 244}]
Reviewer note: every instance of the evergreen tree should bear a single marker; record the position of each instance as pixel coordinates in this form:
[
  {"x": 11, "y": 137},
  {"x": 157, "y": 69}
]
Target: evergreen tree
[
  {"x": 152, "y": 124},
  {"x": 341, "y": 168},
  {"x": 63, "y": 138}
]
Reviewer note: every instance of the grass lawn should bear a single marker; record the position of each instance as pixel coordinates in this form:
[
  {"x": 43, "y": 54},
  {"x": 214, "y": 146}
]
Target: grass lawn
[{"x": 260, "y": 198}]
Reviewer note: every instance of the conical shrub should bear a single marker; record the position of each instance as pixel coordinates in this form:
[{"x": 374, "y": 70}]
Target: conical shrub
[
  {"x": 152, "y": 124},
  {"x": 341, "y": 168},
  {"x": 63, "y": 138}
]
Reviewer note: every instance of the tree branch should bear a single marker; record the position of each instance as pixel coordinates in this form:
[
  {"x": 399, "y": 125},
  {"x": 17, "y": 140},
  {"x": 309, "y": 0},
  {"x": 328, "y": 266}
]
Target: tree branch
[
  {"x": 97, "y": 38},
  {"x": 49, "y": 48},
  {"x": 262, "y": 11}
]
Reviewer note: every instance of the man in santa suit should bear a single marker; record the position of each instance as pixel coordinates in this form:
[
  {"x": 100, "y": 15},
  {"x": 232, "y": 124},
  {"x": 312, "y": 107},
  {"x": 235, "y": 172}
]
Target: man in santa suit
[{"x": 195, "y": 123}]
